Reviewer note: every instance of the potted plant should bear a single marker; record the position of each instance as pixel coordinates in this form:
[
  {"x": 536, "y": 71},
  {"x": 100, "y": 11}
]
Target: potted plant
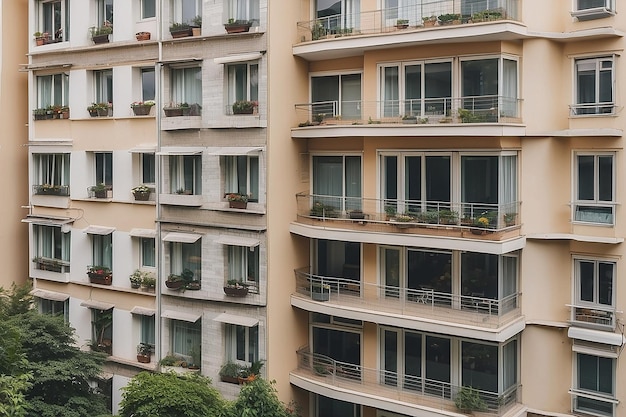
[
  {"x": 450, "y": 18},
  {"x": 40, "y": 39},
  {"x": 322, "y": 210},
  {"x": 429, "y": 21},
  {"x": 195, "y": 353},
  {"x": 99, "y": 190},
  {"x": 144, "y": 352},
  {"x": 100, "y": 275},
  {"x": 196, "y": 25},
  {"x": 101, "y": 34},
  {"x": 136, "y": 279},
  {"x": 480, "y": 224},
  {"x": 238, "y": 201},
  {"x": 236, "y": 288},
  {"x": 174, "y": 282},
  {"x": 177, "y": 109},
  {"x": 468, "y": 399},
  {"x": 99, "y": 109},
  {"x": 142, "y": 108},
  {"x": 180, "y": 30},
  {"x": 230, "y": 372},
  {"x": 148, "y": 282},
  {"x": 143, "y": 36},
  {"x": 402, "y": 23},
  {"x": 509, "y": 218},
  {"x": 250, "y": 373},
  {"x": 320, "y": 291},
  {"x": 244, "y": 107},
  {"x": 237, "y": 26},
  {"x": 141, "y": 192},
  {"x": 409, "y": 119}
]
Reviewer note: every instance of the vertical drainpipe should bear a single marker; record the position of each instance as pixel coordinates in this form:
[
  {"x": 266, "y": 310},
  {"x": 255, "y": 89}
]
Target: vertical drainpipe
[{"x": 157, "y": 167}]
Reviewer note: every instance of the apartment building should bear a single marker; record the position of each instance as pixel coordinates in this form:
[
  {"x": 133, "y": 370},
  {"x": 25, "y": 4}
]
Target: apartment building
[
  {"x": 12, "y": 141},
  {"x": 146, "y": 117},
  {"x": 456, "y": 237}
]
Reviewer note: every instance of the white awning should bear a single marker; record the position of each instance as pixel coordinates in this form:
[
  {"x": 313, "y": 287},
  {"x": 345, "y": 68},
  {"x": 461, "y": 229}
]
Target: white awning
[
  {"x": 238, "y": 320},
  {"x": 99, "y": 230},
  {"x": 97, "y": 305},
  {"x": 50, "y": 295},
  {"x": 47, "y": 221},
  {"x": 142, "y": 311},
  {"x": 181, "y": 237},
  {"x": 238, "y": 241},
  {"x": 228, "y": 59},
  {"x": 597, "y": 336},
  {"x": 179, "y": 315},
  {"x": 143, "y": 149},
  {"x": 149, "y": 233},
  {"x": 234, "y": 150},
  {"x": 180, "y": 151}
]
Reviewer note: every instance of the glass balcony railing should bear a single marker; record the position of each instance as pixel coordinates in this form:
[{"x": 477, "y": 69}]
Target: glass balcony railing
[
  {"x": 394, "y": 386},
  {"x": 474, "y": 109},
  {"x": 472, "y": 309},
  {"x": 423, "y": 14}
]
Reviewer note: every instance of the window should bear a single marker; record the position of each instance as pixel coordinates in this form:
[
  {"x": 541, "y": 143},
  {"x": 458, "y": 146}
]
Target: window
[
  {"x": 489, "y": 87},
  {"x": 183, "y": 11},
  {"x": 329, "y": 407},
  {"x": 243, "y": 264},
  {"x": 51, "y": 248},
  {"x": 243, "y": 10},
  {"x": 338, "y": 259},
  {"x": 186, "y": 338},
  {"x": 337, "y": 181},
  {"x": 54, "y": 308},
  {"x": 594, "y": 83},
  {"x": 147, "y": 83},
  {"x": 147, "y": 330},
  {"x": 52, "y": 90},
  {"x": 102, "y": 250},
  {"x": 148, "y": 256},
  {"x": 187, "y": 87},
  {"x": 594, "y": 282},
  {"x": 186, "y": 256},
  {"x": 593, "y": 9},
  {"x": 595, "y": 385},
  {"x": 51, "y": 174},
  {"x": 243, "y": 82},
  {"x": 148, "y": 172},
  {"x": 102, "y": 330},
  {"x": 104, "y": 9},
  {"x": 242, "y": 176},
  {"x": 403, "y": 9},
  {"x": 242, "y": 343},
  {"x": 103, "y": 84},
  {"x": 420, "y": 89},
  {"x": 595, "y": 188},
  {"x": 104, "y": 168},
  {"x": 337, "y": 15},
  {"x": 148, "y": 10},
  {"x": 186, "y": 174},
  {"x": 54, "y": 18},
  {"x": 337, "y": 95}
]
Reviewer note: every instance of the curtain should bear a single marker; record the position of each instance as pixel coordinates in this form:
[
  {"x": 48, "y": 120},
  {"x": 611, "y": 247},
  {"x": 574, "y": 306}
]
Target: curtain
[
  {"x": 351, "y": 96},
  {"x": 508, "y": 185},
  {"x": 45, "y": 90},
  {"x": 102, "y": 250},
  {"x": 391, "y": 91},
  {"x": 237, "y": 267},
  {"x": 185, "y": 337},
  {"x": 509, "y": 88},
  {"x": 187, "y": 85},
  {"x": 147, "y": 330},
  {"x": 353, "y": 183},
  {"x": 327, "y": 179},
  {"x": 148, "y": 257}
]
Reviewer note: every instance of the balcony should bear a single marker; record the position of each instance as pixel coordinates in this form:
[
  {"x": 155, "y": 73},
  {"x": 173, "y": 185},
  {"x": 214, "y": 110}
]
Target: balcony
[
  {"x": 597, "y": 317},
  {"x": 411, "y": 116},
  {"x": 416, "y": 16},
  {"x": 379, "y": 388},
  {"x": 423, "y": 309}
]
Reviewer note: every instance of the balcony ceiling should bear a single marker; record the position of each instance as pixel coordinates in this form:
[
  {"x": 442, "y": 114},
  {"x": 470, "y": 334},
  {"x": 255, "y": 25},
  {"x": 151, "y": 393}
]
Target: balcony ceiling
[
  {"x": 399, "y": 130},
  {"x": 358, "y": 45}
]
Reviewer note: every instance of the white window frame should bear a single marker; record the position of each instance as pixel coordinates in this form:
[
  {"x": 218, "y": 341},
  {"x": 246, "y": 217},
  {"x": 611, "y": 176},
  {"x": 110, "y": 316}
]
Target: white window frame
[
  {"x": 251, "y": 347},
  {"x": 51, "y": 168},
  {"x": 231, "y": 176},
  {"x": 579, "y": 393},
  {"x": 248, "y": 10},
  {"x": 179, "y": 80},
  {"x": 103, "y": 93},
  {"x": 151, "y": 161},
  {"x": 101, "y": 169},
  {"x": 177, "y": 165},
  {"x": 179, "y": 250},
  {"x": 147, "y": 330},
  {"x": 52, "y": 99},
  {"x": 239, "y": 259},
  {"x": 252, "y": 72},
  {"x": 102, "y": 250},
  {"x": 339, "y": 107},
  {"x": 596, "y": 202},
  {"x": 345, "y": 202},
  {"x": 45, "y": 242},
  {"x": 177, "y": 9},
  {"x": 54, "y": 307},
  {"x": 597, "y": 108},
  {"x": 102, "y": 15},
  {"x": 48, "y": 27},
  {"x": 607, "y": 9},
  {"x": 144, "y": 4},
  {"x": 149, "y": 242},
  {"x": 147, "y": 91}
]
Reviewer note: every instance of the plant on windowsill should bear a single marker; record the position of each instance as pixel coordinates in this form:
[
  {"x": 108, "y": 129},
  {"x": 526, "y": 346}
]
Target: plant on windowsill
[
  {"x": 101, "y": 34},
  {"x": 177, "y": 109},
  {"x": 100, "y": 109},
  {"x": 429, "y": 21},
  {"x": 136, "y": 278},
  {"x": 196, "y": 25},
  {"x": 230, "y": 372},
  {"x": 51, "y": 189},
  {"x": 244, "y": 106},
  {"x": 237, "y": 26},
  {"x": 480, "y": 225},
  {"x": 238, "y": 201},
  {"x": 144, "y": 353},
  {"x": 236, "y": 288},
  {"x": 149, "y": 282},
  {"x": 48, "y": 264},
  {"x": 403, "y": 220},
  {"x": 173, "y": 360},
  {"x": 100, "y": 275},
  {"x": 99, "y": 190},
  {"x": 40, "y": 38},
  {"x": 468, "y": 399},
  {"x": 402, "y": 23},
  {"x": 142, "y": 108},
  {"x": 250, "y": 373},
  {"x": 143, "y": 36},
  {"x": 100, "y": 325},
  {"x": 141, "y": 192},
  {"x": 408, "y": 119},
  {"x": 450, "y": 18},
  {"x": 179, "y": 282},
  {"x": 180, "y": 30},
  {"x": 196, "y": 359}
]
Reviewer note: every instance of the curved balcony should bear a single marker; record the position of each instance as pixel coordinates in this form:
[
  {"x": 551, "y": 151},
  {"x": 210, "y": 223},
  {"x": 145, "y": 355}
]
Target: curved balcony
[
  {"x": 383, "y": 389},
  {"x": 422, "y": 308}
]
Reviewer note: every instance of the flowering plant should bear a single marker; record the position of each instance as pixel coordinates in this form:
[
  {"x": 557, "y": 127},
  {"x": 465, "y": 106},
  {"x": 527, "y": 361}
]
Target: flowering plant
[
  {"x": 98, "y": 270},
  {"x": 244, "y": 105},
  {"x": 482, "y": 222},
  {"x": 141, "y": 189},
  {"x": 148, "y": 103},
  {"x": 237, "y": 197}
]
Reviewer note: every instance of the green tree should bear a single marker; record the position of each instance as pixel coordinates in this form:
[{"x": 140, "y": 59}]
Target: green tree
[
  {"x": 12, "y": 399},
  {"x": 259, "y": 398},
  {"x": 170, "y": 395}
]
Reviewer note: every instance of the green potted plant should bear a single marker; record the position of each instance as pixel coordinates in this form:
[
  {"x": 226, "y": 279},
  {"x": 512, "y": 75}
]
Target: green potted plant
[
  {"x": 230, "y": 372},
  {"x": 101, "y": 34},
  {"x": 402, "y": 23},
  {"x": 450, "y": 18},
  {"x": 196, "y": 25},
  {"x": 250, "y": 373},
  {"x": 148, "y": 282},
  {"x": 236, "y": 200},
  {"x": 174, "y": 282},
  {"x": 177, "y": 109},
  {"x": 468, "y": 399},
  {"x": 99, "y": 190},
  {"x": 409, "y": 119},
  {"x": 237, "y": 26},
  {"x": 100, "y": 274},
  {"x": 244, "y": 107},
  {"x": 143, "y": 36},
  {"x": 141, "y": 192},
  {"x": 136, "y": 278},
  {"x": 144, "y": 352},
  {"x": 429, "y": 21},
  {"x": 180, "y": 30},
  {"x": 142, "y": 108},
  {"x": 234, "y": 288}
]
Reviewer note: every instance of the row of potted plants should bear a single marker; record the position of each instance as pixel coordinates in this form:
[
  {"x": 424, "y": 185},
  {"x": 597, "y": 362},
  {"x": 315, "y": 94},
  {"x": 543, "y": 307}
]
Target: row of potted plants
[
  {"x": 183, "y": 281},
  {"x": 142, "y": 279},
  {"x": 52, "y": 112},
  {"x": 235, "y": 373}
]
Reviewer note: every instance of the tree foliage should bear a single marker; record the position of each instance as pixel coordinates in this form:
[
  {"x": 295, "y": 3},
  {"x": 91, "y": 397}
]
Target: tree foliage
[
  {"x": 259, "y": 398},
  {"x": 170, "y": 395}
]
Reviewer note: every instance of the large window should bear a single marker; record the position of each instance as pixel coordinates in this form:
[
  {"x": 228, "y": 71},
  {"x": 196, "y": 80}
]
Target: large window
[
  {"x": 593, "y": 9},
  {"x": 148, "y": 170},
  {"x": 243, "y": 82},
  {"x": 54, "y": 308},
  {"x": 243, "y": 264},
  {"x": 243, "y": 10},
  {"x": 186, "y": 174},
  {"x": 337, "y": 181},
  {"x": 187, "y": 88},
  {"x": 52, "y": 90},
  {"x": 489, "y": 86},
  {"x": 242, "y": 343},
  {"x": 595, "y": 188},
  {"x": 148, "y": 255},
  {"x": 147, "y": 330},
  {"x": 336, "y": 259},
  {"x": 148, "y": 9},
  {"x": 186, "y": 338},
  {"x": 183, "y": 11},
  {"x": 51, "y": 248},
  {"x": 103, "y": 86},
  {"x": 337, "y": 15},
  {"x": 147, "y": 84},
  {"x": 595, "y": 385},
  {"x": 242, "y": 176},
  {"x": 594, "y": 282},
  {"x": 186, "y": 256},
  {"x": 51, "y": 173},
  {"x": 54, "y": 19},
  {"x": 104, "y": 10},
  {"x": 594, "y": 84},
  {"x": 337, "y": 95},
  {"x": 102, "y": 250},
  {"x": 104, "y": 168}
]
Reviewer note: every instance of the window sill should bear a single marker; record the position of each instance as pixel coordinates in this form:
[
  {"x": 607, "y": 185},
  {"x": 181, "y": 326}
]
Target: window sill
[
  {"x": 181, "y": 200},
  {"x": 236, "y": 120},
  {"x": 181, "y": 122}
]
